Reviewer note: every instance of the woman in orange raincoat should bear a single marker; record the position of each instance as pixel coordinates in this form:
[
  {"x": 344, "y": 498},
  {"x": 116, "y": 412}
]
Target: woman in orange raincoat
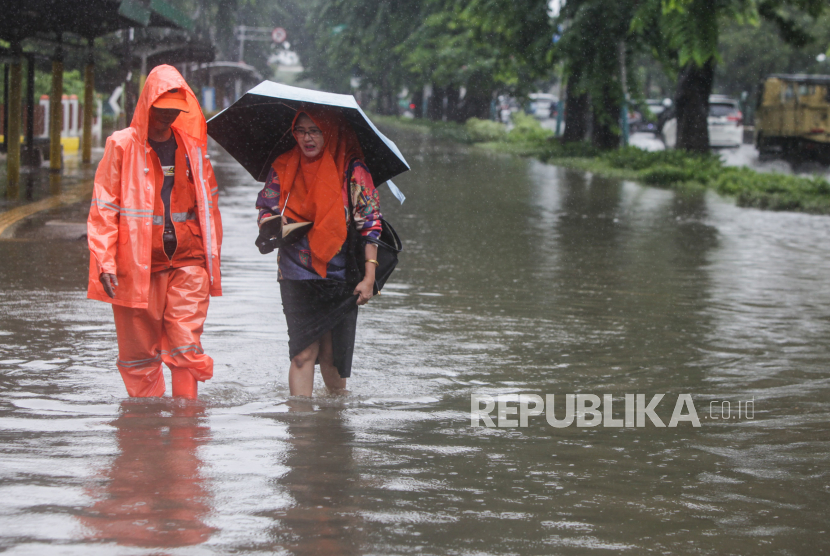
[
  {"x": 312, "y": 182},
  {"x": 155, "y": 236}
]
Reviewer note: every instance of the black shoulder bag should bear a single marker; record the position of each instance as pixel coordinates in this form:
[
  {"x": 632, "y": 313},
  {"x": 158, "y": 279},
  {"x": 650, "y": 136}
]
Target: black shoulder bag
[{"x": 389, "y": 245}]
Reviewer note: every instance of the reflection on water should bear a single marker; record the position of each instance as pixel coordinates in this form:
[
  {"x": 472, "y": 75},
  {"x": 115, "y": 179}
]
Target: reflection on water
[
  {"x": 517, "y": 277},
  {"x": 154, "y": 493},
  {"x": 323, "y": 517}
]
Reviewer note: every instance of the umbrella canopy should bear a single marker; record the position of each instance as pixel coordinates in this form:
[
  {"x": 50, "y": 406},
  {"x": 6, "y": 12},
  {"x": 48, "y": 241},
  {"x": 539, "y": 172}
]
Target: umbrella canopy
[{"x": 256, "y": 129}]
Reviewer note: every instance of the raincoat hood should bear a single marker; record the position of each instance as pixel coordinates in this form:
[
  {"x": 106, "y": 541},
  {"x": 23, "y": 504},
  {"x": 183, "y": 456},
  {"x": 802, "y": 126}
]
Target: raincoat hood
[
  {"x": 119, "y": 227},
  {"x": 162, "y": 79}
]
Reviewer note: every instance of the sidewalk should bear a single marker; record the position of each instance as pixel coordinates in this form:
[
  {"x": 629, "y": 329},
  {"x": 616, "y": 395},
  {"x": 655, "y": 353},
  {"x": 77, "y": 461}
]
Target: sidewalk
[{"x": 75, "y": 190}]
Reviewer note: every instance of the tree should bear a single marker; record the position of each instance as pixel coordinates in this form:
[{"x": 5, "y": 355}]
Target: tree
[
  {"x": 685, "y": 34},
  {"x": 359, "y": 39},
  {"x": 749, "y": 53},
  {"x": 594, "y": 33},
  {"x": 482, "y": 47}
]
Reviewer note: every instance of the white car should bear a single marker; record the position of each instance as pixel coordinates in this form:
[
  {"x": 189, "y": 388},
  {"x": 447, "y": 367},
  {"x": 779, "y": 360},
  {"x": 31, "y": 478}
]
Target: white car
[
  {"x": 726, "y": 124},
  {"x": 542, "y": 105}
]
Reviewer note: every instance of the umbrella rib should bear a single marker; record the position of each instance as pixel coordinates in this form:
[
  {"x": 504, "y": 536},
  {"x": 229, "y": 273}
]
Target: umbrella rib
[{"x": 267, "y": 104}]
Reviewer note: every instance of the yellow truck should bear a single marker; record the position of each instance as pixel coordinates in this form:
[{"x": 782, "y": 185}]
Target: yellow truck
[{"x": 793, "y": 116}]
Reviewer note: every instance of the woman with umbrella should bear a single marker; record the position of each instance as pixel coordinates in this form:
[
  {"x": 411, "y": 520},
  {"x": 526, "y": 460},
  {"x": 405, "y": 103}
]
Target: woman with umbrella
[{"x": 312, "y": 182}]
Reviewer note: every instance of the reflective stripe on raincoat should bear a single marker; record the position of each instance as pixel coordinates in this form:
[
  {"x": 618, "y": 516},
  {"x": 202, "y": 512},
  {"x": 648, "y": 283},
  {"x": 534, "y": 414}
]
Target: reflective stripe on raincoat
[{"x": 120, "y": 224}]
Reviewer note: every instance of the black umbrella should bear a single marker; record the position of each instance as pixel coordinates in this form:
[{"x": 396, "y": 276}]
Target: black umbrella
[{"x": 256, "y": 129}]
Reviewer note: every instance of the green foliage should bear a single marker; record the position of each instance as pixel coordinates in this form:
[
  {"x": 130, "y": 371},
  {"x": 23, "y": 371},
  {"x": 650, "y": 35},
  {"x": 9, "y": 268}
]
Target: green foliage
[
  {"x": 589, "y": 48},
  {"x": 666, "y": 176},
  {"x": 359, "y": 38},
  {"x": 447, "y": 131},
  {"x": 483, "y": 131},
  {"x": 744, "y": 65},
  {"x": 527, "y": 129},
  {"x": 450, "y": 131},
  {"x": 633, "y": 158},
  {"x": 772, "y": 191},
  {"x": 480, "y": 45},
  {"x": 73, "y": 83}
]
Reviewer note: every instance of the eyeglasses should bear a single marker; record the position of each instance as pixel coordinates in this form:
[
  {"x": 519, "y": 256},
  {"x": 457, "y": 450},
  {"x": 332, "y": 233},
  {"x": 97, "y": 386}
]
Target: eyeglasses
[{"x": 313, "y": 133}]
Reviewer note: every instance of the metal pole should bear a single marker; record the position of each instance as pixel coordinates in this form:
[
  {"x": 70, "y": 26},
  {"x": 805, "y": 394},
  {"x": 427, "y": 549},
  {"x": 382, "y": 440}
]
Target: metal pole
[
  {"x": 13, "y": 115},
  {"x": 237, "y": 84},
  {"x": 30, "y": 109},
  {"x": 89, "y": 101},
  {"x": 143, "y": 77},
  {"x": 56, "y": 119},
  {"x": 5, "y": 104},
  {"x": 624, "y": 110},
  {"x": 128, "y": 63}
]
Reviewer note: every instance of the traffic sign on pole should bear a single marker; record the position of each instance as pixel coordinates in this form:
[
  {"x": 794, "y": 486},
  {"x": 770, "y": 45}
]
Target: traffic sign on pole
[{"x": 279, "y": 35}]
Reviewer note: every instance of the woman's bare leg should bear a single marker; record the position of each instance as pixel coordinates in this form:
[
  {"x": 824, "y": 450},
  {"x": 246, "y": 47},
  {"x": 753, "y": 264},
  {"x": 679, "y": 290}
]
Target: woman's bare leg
[
  {"x": 301, "y": 372},
  {"x": 331, "y": 377}
]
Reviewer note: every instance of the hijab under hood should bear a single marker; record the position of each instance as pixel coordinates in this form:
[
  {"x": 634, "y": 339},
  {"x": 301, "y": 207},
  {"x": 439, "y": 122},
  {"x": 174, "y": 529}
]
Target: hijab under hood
[{"x": 316, "y": 186}]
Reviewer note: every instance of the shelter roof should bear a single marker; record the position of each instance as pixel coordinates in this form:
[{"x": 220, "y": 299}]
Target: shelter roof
[
  {"x": 86, "y": 18},
  {"x": 166, "y": 46},
  {"x": 234, "y": 69},
  {"x": 803, "y": 78}
]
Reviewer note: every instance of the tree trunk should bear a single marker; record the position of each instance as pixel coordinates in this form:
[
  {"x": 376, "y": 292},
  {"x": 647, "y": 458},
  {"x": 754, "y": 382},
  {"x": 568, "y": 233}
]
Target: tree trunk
[
  {"x": 386, "y": 100},
  {"x": 453, "y": 114},
  {"x": 476, "y": 105},
  {"x": 390, "y": 99},
  {"x": 694, "y": 85},
  {"x": 417, "y": 102},
  {"x": 435, "y": 109},
  {"x": 606, "y": 115},
  {"x": 477, "y": 100},
  {"x": 576, "y": 114}
]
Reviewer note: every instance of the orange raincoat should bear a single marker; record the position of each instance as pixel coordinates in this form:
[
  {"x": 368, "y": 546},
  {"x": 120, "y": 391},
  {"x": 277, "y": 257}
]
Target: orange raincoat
[{"x": 119, "y": 228}]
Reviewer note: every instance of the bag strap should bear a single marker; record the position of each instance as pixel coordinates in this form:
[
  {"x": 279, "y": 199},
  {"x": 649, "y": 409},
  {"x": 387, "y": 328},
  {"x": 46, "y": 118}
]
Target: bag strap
[{"x": 349, "y": 171}]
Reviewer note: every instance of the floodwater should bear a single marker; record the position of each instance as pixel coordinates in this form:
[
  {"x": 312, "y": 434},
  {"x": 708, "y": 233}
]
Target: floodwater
[{"x": 517, "y": 278}]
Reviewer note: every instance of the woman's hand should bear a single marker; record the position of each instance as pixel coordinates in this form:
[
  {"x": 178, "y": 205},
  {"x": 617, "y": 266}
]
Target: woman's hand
[
  {"x": 366, "y": 288},
  {"x": 365, "y": 291}
]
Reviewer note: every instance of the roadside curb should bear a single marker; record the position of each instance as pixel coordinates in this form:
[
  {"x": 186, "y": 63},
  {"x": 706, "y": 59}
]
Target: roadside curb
[{"x": 10, "y": 219}]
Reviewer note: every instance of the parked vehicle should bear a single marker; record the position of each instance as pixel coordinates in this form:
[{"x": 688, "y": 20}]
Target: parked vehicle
[
  {"x": 635, "y": 119},
  {"x": 793, "y": 115},
  {"x": 542, "y": 105},
  {"x": 506, "y": 106},
  {"x": 725, "y": 122},
  {"x": 652, "y": 110}
]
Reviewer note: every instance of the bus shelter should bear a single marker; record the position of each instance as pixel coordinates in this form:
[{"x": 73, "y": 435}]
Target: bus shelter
[{"x": 65, "y": 23}]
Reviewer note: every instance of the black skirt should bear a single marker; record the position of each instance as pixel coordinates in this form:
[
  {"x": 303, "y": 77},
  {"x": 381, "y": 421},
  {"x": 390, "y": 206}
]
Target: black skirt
[{"x": 314, "y": 307}]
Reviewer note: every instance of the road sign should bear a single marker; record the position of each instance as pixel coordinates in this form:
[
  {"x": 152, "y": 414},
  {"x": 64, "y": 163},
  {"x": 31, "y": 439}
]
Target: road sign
[
  {"x": 114, "y": 100},
  {"x": 279, "y": 35}
]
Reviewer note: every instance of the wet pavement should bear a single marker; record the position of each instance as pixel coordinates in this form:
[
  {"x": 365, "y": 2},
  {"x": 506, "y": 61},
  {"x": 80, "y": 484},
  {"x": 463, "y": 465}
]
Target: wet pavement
[{"x": 517, "y": 277}]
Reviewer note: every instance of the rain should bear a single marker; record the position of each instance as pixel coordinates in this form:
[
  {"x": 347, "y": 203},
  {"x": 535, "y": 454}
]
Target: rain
[{"x": 606, "y": 331}]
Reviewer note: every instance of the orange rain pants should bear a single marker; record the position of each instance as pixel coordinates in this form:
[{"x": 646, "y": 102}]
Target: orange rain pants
[{"x": 169, "y": 331}]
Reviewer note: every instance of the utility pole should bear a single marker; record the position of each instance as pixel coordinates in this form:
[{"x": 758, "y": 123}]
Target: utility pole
[
  {"x": 259, "y": 34},
  {"x": 624, "y": 84}
]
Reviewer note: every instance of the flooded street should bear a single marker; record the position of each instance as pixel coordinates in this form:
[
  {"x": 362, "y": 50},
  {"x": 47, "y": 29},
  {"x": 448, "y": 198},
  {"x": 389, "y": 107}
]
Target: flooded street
[{"x": 516, "y": 278}]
